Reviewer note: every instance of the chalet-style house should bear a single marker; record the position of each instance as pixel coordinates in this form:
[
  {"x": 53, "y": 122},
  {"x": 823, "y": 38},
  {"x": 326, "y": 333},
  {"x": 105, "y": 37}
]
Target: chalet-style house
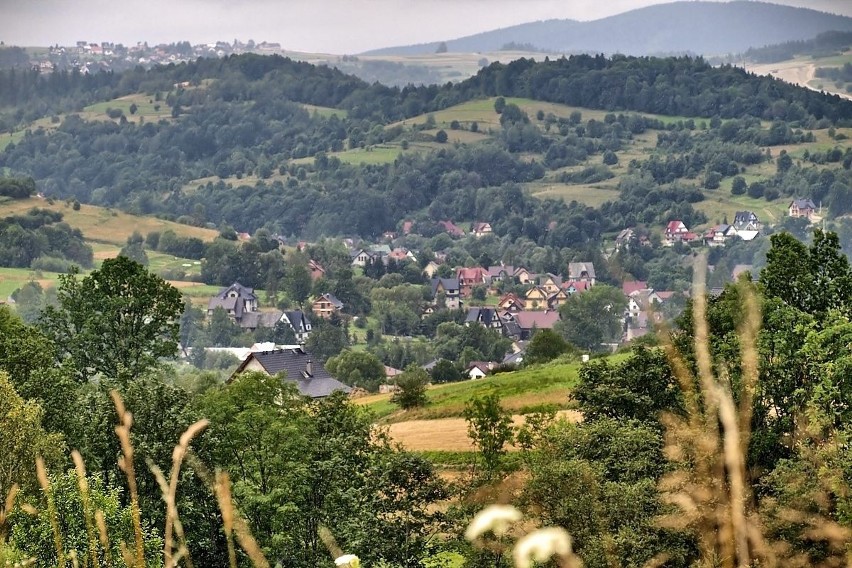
[
  {"x": 236, "y": 300},
  {"x": 470, "y": 277},
  {"x": 486, "y": 317},
  {"x": 451, "y": 229},
  {"x": 719, "y": 235},
  {"x": 402, "y": 255},
  {"x": 478, "y": 369},
  {"x": 500, "y": 273},
  {"x": 675, "y": 231},
  {"x": 299, "y": 323},
  {"x": 582, "y": 272},
  {"x": 550, "y": 282},
  {"x": 298, "y": 367},
  {"x": 481, "y": 229},
  {"x": 523, "y": 276},
  {"x": 431, "y": 268},
  {"x": 362, "y": 257},
  {"x": 625, "y": 239},
  {"x": 449, "y": 288},
  {"x": 326, "y": 305},
  {"x": 802, "y": 208},
  {"x": 557, "y": 299},
  {"x": 510, "y": 303},
  {"x": 536, "y": 299},
  {"x": 746, "y": 221}
]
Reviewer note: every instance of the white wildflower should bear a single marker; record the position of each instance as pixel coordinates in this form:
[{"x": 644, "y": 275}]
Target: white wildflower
[
  {"x": 348, "y": 561},
  {"x": 541, "y": 546},
  {"x": 495, "y": 519}
]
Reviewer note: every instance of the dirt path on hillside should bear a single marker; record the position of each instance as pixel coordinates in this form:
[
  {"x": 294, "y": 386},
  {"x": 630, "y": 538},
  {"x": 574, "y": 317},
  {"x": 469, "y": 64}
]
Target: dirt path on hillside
[{"x": 447, "y": 434}]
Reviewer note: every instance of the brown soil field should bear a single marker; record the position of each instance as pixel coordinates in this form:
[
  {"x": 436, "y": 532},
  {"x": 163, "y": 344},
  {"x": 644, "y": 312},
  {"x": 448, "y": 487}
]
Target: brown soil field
[{"x": 447, "y": 434}]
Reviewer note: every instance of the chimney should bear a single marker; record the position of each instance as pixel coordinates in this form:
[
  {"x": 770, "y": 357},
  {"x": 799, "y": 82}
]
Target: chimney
[{"x": 309, "y": 368}]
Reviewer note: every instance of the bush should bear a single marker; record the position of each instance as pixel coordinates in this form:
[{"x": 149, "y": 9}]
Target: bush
[
  {"x": 738, "y": 186},
  {"x": 51, "y": 264},
  {"x": 411, "y": 388},
  {"x": 441, "y": 137}
]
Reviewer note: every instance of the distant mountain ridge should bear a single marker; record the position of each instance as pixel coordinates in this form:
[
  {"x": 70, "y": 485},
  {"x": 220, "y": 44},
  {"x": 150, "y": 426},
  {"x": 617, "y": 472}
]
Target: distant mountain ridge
[{"x": 700, "y": 27}]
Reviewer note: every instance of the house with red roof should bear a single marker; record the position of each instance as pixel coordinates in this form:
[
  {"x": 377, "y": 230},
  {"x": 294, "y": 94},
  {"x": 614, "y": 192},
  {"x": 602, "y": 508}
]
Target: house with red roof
[
  {"x": 630, "y": 287},
  {"x": 675, "y": 232},
  {"x": 481, "y": 229},
  {"x": 529, "y": 321},
  {"x": 470, "y": 277},
  {"x": 451, "y": 229}
]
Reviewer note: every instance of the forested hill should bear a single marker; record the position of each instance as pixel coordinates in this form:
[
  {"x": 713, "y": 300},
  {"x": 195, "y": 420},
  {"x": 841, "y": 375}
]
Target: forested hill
[
  {"x": 675, "y": 86},
  {"x": 707, "y": 28},
  {"x": 242, "y": 141}
]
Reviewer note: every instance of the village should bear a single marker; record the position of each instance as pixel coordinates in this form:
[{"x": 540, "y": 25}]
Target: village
[{"x": 532, "y": 303}]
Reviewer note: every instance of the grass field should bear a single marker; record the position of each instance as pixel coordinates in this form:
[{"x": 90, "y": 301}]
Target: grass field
[
  {"x": 105, "y": 225},
  {"x": 147, "y": 109},
  {"x": 541, "y": 387},
  {"x": 326, "y": 112},
  {"x": 13, "y": 278}
]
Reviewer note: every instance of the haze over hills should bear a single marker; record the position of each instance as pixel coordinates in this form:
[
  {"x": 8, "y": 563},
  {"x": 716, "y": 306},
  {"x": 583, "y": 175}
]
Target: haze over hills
[{"x": 707, "y": 28}]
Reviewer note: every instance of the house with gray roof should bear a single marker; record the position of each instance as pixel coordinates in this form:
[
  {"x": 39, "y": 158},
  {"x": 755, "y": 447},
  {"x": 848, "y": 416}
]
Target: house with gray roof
[
  {"x": 298, "y": 367},
  {"x": 581, "y": 272},
  {"x": 450, "y": 288},
  {"x": 237, "y": 300},
  {"x": 298, "y": 322}
]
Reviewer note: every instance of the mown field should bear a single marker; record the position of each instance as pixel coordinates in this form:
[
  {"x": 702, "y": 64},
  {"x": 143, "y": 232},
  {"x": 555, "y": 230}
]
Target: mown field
[{"x": 102, "y": 225}]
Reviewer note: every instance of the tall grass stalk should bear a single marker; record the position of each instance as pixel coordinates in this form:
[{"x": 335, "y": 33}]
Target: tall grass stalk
[
  {"x": 83, "y": 485},
  {"x": 125, "y": 462}
]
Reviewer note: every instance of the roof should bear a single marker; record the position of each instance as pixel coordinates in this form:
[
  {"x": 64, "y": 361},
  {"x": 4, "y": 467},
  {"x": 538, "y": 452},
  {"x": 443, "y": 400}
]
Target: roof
[
  {"x": 674, "y": 226},
  {"x": 294, "y": 362},
  {"x": 744, "y": 217},
  {"x": 486, "y": 316},
  {"x": 451, "y": 228},
  {"x": 579, "y": 286},
  {"x": 253, "y": 320},
  {"x": 494, "y": 271},
  {"x": 803, "y": 204},
  {"x": 576, "y": 270},
  {"x": 296, "y": 318},
  {"x": 391, "y": 372},
  {"x": 475, "y": 273},
  {"x": 332, "y": 299},
  {"x": 446, "y": 284},
  {"x": 630, "y": 287},
  {"x": 540, "y": 320},
  {"x": 481, "y": 226}
]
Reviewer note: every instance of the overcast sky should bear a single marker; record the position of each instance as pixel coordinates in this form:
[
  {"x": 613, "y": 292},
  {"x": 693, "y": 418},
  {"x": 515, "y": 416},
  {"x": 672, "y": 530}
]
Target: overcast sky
[{"x": 330, "y": 26}]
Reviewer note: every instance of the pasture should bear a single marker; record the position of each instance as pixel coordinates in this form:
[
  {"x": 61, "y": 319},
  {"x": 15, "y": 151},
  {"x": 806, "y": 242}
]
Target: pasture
[{"x": 104, "y": 225}]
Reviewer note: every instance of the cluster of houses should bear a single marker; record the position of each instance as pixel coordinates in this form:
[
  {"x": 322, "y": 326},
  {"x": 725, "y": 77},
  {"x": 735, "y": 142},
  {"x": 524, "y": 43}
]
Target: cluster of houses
[
  {"x": 241, "y": 305},
  {"x": 746, "y": 226}
]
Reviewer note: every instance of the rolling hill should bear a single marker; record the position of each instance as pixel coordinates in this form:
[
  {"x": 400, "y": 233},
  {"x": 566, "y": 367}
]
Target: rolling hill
[{"x": 707, "y": 28}]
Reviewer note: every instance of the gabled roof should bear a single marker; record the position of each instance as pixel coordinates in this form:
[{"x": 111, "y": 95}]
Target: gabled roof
[
  {"x": 630, "y": 287},
  {"x": 576, "y": 270},
  {"x": 745, "y": 217},
  {"x": 494, "y": 271},
  {"x": 295, "y": 363},
  {"x": 254, "y": 320},
  {"x": 480, "y": 226},
  {"x": 446, "y": 284},
  {"x": 674, "y": 226},
  {"x": 476, "y": 274},
  {"x": 539, "y": 320},
  {"x": 485, "y": 316},
  {"x": 332, "y": 299},
  {"x": 803, "y": 204},
  {"x": 451, "y": 228},
  {"x": 297, "y": 319},
  {"x": 579, "y": 286}
]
